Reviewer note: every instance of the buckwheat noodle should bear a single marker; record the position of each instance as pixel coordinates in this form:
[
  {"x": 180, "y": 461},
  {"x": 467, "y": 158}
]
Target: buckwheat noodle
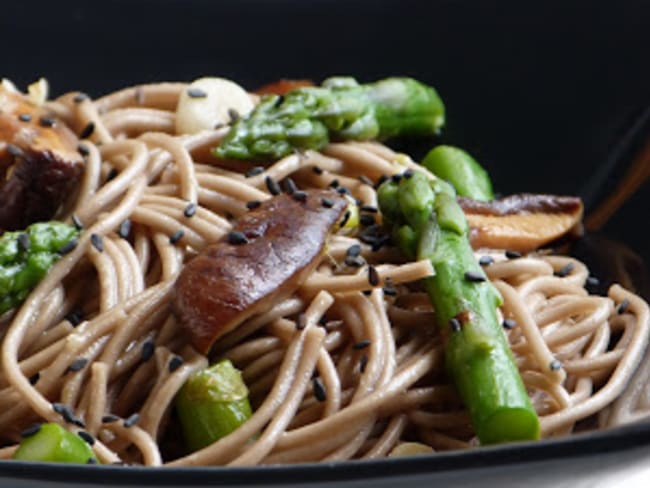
[{"x": 155, "y": 199}]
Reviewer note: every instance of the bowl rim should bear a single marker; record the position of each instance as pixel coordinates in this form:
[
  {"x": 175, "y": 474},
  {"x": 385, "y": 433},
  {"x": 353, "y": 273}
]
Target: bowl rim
[{"x": 618, "y": 439}]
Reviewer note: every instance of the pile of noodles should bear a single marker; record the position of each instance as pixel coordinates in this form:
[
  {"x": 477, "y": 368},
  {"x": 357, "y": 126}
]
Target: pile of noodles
[{"x": 375, "y": 352}]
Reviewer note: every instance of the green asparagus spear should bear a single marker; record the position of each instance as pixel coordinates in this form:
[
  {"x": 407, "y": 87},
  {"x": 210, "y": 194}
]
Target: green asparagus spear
[
  {"x": 212, "y": 403},
  {"x": 461, "y": 170},
  {"x": 26, "y": 257},
  {"x": 477, "y": 356},
  {"x": 307, "y": 117},
  {"x": 54, "y": 444}
]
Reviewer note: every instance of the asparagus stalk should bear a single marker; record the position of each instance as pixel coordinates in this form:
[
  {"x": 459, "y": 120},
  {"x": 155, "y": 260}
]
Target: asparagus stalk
[
  {"x": 26, "y": 257},
  {"x": 212, "y": 403},
  {"x": 307, "y": 117},
  {"x": 461, "y": 170},
  {"x": 477, "y": 355},
  {"x": 54, "y": 444}
]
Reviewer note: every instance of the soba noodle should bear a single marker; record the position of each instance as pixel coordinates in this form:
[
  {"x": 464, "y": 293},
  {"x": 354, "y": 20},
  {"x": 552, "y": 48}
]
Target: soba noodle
[{"x": 375, "y": 351}]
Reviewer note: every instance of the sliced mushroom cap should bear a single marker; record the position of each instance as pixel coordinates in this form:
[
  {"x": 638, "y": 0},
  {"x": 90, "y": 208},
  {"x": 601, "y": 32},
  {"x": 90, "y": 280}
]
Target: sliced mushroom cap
[
  {"x": 268, "y": 254},
  {"x": 39, "y": 161},
  {"x": 522, "y": 222}
]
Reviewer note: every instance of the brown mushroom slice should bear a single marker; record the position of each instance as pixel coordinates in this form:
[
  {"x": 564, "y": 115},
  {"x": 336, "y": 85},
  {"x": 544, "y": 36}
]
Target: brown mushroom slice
[
  {"x": 268, "y": 254},
  {"x": 39, "y": 162},
  {"x": 522, "y": 222}
]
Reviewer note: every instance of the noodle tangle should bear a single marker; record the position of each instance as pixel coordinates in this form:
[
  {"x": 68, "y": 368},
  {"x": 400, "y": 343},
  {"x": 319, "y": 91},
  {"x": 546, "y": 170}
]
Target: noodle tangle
[{"x": 374, "y": 348}]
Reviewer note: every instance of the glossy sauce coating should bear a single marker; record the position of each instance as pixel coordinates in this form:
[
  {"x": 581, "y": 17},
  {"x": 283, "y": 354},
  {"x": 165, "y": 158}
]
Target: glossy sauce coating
[{"x": 231, "y": 280}]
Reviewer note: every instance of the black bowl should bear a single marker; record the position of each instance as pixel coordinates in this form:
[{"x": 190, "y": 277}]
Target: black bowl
[{"x": 550, "y": 96}]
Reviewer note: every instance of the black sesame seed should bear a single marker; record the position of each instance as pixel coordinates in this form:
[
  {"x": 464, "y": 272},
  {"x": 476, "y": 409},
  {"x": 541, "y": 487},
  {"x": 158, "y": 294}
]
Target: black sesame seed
[
  {"x": 564, "y": 270},
  {"x": 390, "y": 291},
  {"x": 237, "y": 238},
  {"x": 509, "y": 324},
  {"x": 148, "y": 348},
  {"x": 396, "y": 178},
  {"x": 97, "y": 242},
  {"x": 257, "y": 170},
  {"x": 131, "y": 420},
  {"x": 622, "y": 308},
  {"x": 474, "y": 276},
  {"x": 513, "y": 254},
  {"x": 87, "y": 131},
  {"x": 299, "y": 196},
  {"x": 365, "y": 180},
  {"x": 233, "y": 114},
  {"x": 30, "y": 431},
  {"x": 33, "y": 379},
  {"x": 301, "y": 322},
  {"x": 110, "y": 418},
  {"x": 319, "y": 390},
  {"x": 190, "y": 210},
  {"x": 289, "y": 186},
  {"x": 344, "y": 220},
  {"x": 342, "y": 190},
  {"x": 317, "y": 169},
  {"x": 327, "y": 202},
  {"x": 381, "y": 180},
  {"x": 363, "y": 362},
  {"x": 253, "y": 204},
  {"x": 15, "y": 151},
  {"x": 25, "y": 118},
  {"x": 176, "y": 236},
  {"x": 593, "y": 281},
  {"x": 175, "y": 363},
  {"x": 91, "y": 461},
  {"x": 86, "y": 436},
  {"x": 368, "y": 209},
  {"x": 272, "y": 186},
  {"x": 196, "y": 93},
  {"x": 59, "y": 408},
  {"x": 80, "y": 97},
  {"x": 373, "y": 276},
  {"x": 47, "y": 121},
  {"x": 219, "y": 125},
  {"x": 354, "y": 261},
  {"x": 353, "y": 251},
  {"x": 78, "y": 364},
  {"x": 367, "y": 220},
  {"x": 334, "y": 183},
  {"x": 361, "y": 345},
  {"x": 77, "y": 222},
  {"x": 555, "y": 365},
  {"x": 408, "y": 173},
  {"x": 367, "y": 292},
  {"x": 24, "y": 242},
  {"x": 125, "y": 229},
  {"x": 454, "y": 324},
  {"x": 68, "y": 247},
  {"x": 75, "y": 317}
]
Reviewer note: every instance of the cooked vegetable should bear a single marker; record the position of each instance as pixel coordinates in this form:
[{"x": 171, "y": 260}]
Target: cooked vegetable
[
  {"x": 306, "y": 118},
  {"x": 26, "y": 257},
  {"x": 267, "y": 255},
  {"x": 461, "y": 170},
  {"x": 51, "y": 443},
  {"x": 522, "y": 222},
  {"x": 212, "y": 403},
  {"x": 210, "y": 102},
  {"x": 477, "y": 356},
  {"x": 39, "y": 162}
]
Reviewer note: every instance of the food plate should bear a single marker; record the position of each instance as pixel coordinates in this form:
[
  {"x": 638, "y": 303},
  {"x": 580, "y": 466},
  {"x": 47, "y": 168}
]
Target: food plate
[{"x": 550, "y": 98}]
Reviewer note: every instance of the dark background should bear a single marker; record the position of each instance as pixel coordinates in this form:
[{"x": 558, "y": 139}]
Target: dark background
[{"x": 540, "y": 92}]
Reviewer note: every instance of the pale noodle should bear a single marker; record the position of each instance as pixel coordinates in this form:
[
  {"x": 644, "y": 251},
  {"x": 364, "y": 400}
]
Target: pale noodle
[{"x": 380, "y": 392}]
